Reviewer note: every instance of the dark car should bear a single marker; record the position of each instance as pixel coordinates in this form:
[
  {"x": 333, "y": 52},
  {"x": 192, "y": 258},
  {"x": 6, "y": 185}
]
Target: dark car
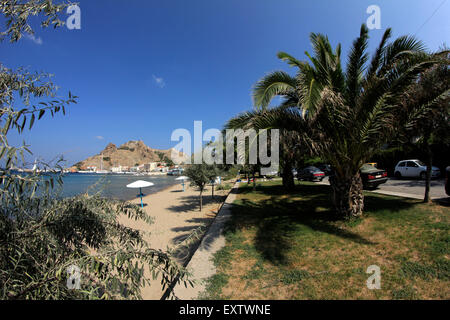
[
  {"x": 311, "y": 174},
  {"x": 447, "y": 181},
  {"x": 371, "y": 176},
  {"x": 326, "y": 168}
]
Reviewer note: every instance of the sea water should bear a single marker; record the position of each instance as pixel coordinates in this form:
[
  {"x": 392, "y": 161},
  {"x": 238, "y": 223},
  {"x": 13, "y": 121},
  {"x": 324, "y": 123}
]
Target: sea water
[{"x": 111, "y": 185}]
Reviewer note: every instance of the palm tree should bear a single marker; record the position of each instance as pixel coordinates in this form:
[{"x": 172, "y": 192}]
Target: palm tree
[
  {"x": 434, "y": 126},
  {"x": 344, "y": 117},
  {"x": 278, "y": 83}
]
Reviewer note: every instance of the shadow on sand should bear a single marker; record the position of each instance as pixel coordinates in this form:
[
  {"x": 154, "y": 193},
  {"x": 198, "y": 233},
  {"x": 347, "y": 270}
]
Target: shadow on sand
[{"x": 190, "y": 203}]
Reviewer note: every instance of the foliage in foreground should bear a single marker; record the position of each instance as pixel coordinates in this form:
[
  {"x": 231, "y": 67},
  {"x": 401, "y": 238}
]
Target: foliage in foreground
[
  {"x": 51, "y": 248},
  {"x": 42, "y": 238}
]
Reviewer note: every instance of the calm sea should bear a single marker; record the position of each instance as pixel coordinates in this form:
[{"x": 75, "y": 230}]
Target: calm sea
[{"x": 112, "y": 185}]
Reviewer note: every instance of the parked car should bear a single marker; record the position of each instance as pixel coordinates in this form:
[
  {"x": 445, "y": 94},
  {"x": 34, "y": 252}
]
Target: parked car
[
  {"x": 326, "y": 168},
  {"x": 272, "y": 174},
  {"x": 311, "y": 173},
  {"x": 371, "y": 176},
  {"x": 447, "y": 180},
  {"x": 414, "y": 169},
  {"x": 374, "y": 164},
  {"x": 175, "y": 172}
]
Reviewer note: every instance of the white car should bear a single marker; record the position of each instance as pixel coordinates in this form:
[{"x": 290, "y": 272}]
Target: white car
[{"x": 414, "y": 169}]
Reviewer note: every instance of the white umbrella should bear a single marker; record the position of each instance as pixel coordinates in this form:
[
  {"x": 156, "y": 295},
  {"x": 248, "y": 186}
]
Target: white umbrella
[
  {"x": 182, "y": 178},
  {"x": 140, "y": 184}
]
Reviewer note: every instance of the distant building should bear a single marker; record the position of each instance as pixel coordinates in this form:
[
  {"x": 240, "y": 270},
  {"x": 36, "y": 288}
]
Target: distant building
[
  {"x": 118, "y": 169},
  {"x": 152, "y": 166},
  {"x": 162, "y": 169}
]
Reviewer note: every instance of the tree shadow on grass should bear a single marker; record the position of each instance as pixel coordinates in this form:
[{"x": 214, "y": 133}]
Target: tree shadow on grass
[{"x": 283, "y": 217}]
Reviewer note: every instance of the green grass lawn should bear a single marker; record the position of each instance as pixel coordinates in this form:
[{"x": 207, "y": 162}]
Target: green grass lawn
[{"x": 286, "y": 246}]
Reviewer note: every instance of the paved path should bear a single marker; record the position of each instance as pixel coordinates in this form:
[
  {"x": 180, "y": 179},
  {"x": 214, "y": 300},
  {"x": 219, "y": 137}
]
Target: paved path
[
  {"x": 414, "y": 189},
  {"x": 201, "y": 265}
]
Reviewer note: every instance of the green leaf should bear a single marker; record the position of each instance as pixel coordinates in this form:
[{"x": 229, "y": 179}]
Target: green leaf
[{"x": 32, "y": 121}]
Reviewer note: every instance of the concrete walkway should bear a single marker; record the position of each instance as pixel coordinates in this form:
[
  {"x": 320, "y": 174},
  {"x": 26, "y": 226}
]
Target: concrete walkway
[
  {"x": 201, "y": 265},
  {"x": 406, "y": 189}
]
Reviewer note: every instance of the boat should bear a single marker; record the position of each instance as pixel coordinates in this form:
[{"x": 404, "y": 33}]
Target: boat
[{"x": 101, "y": 171}]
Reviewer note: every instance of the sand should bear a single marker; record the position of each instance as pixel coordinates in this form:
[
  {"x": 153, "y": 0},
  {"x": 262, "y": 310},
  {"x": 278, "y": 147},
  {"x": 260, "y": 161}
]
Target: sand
[{"x": 176, "y": 214}]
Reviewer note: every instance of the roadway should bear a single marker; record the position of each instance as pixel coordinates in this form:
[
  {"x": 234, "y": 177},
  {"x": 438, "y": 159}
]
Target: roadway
[{"x": 412, "y": 188}]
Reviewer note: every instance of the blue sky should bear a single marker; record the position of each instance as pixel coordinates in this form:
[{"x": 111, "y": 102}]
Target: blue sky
[{"x": 142, "y": 69}]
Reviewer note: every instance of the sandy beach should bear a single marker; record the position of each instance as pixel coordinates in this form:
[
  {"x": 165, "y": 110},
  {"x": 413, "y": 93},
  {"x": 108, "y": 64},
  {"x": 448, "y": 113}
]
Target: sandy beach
[{"x": 176, "y": 214}]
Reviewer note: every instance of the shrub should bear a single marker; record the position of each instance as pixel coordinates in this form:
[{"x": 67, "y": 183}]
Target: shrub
[{"x": 224, "y": 186}]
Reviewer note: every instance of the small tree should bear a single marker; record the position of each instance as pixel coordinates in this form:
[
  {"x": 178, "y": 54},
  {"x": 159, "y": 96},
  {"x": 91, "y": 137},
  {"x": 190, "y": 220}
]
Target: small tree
[
  {"x": 213, "y": 171},
  {"x": 168, "y": 161},
  {"x": 200, "y": 176}
]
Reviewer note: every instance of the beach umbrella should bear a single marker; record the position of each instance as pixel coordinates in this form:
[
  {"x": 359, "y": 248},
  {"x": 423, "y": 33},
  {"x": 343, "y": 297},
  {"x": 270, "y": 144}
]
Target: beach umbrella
[
  {"x": 182, "y": 178},
  {"x": 140, "y": 184}
]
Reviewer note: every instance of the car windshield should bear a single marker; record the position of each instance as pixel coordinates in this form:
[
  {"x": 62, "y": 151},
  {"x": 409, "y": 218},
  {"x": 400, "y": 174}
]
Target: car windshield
[
  {"x": 420, "y": 163},
  {"x": 313, "y": 169},
  {"x": 367, "y": 167}
]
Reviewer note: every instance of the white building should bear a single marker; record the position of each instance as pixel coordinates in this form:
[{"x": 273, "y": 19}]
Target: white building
[
  {"x": 151, "y": 166},
  {"x": 118, "y": 169}
]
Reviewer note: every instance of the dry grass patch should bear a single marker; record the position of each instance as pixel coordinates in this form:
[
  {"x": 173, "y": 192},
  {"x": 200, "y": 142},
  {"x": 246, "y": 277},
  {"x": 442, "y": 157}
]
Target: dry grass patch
[{"x": 285, "y": 246}]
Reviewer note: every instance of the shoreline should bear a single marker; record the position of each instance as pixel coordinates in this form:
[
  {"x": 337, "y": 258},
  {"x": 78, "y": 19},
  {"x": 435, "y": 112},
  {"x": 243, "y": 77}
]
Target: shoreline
[
  {"x": 112, "y": 186},
  {"x": 175, "y": 216}
]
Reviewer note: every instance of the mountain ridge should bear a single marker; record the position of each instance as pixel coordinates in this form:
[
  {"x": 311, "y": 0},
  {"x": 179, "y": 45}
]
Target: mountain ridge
[{"x": 130, "y": 154}]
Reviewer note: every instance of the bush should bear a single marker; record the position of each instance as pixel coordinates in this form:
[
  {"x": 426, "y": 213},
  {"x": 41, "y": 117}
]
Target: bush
[
  {"x": 225, "y": 186},
  {"x": 231, "y": 173},
  {"x": 48, "y": 236}
]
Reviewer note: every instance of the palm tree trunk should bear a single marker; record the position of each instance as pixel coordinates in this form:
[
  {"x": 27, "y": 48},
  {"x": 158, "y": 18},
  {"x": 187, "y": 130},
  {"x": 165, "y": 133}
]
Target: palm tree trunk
[
  {"x": 429, "y": 163},
  {"x": 254, "y": 181},
  {"x": 348, "y": 198},
  {"x": 201, "y": 200},
  {"x": 288, "y": 176},
  {"x": 213, "y": 190}
]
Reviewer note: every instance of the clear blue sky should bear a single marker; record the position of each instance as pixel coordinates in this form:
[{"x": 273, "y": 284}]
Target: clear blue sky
[{"x": 145, "y": 68}]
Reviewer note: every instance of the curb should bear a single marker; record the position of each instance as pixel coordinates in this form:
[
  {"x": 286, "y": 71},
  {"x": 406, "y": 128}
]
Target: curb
[
  {"x": 408, "y": 195},
  {"x": 201, "y": 265},
  {"x": 398, "y": 194}
]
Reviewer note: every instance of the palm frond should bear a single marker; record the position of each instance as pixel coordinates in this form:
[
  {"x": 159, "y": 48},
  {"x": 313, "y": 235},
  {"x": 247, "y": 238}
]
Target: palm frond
[
  {"x": 401, "y": 47},
  {"x": 293, "y": 62},
  {"x": 377, "y": 58},
  {"x": 273, "y": 84},
  {"x": 355, "y": 67}
]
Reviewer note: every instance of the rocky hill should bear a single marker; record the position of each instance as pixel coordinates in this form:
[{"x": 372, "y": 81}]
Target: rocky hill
[{"x": 129, "y": 154}]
